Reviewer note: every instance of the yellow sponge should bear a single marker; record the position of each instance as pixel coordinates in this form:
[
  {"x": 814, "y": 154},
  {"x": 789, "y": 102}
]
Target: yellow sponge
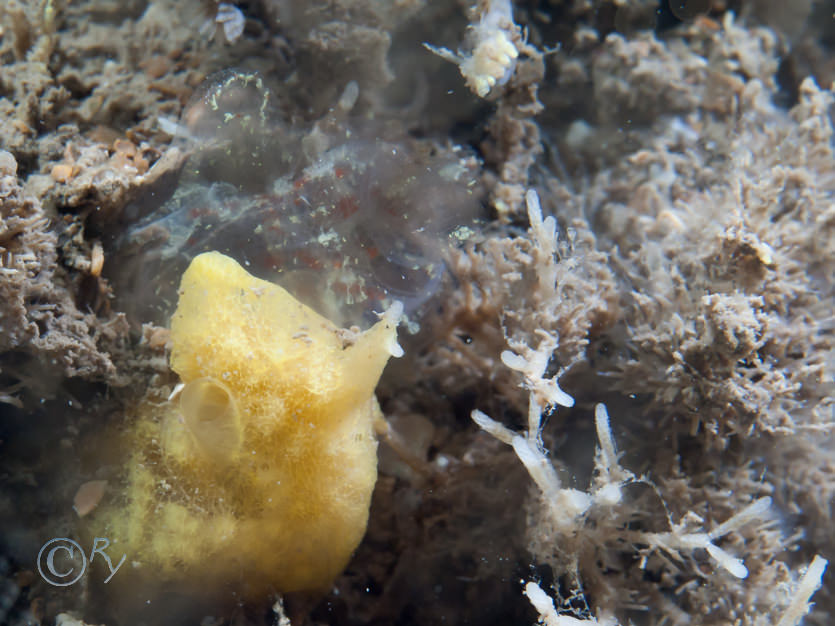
[{"x": 262, "y": 468}]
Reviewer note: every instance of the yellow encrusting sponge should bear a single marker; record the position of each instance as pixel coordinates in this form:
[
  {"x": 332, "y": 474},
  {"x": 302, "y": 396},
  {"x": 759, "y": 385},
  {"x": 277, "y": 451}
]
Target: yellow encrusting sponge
[{"x": 262, "y": 468}]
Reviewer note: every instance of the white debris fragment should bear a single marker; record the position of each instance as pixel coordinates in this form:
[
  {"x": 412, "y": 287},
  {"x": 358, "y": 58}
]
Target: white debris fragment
[{"x": 393, "y": 315}]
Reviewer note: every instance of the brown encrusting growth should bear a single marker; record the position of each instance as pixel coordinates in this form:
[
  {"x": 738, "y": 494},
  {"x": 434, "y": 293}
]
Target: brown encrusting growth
[{"x": 46, "y": 331}]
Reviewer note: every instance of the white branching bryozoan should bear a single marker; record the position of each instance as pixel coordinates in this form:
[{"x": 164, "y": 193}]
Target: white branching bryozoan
[
  {"x": 578, "y": 529},
  {"x": 544, "y": 236},
  {"x": 809, "y": 584},
  {"x": 548, "y": 615},
  {"x": 678, "y": 541}
]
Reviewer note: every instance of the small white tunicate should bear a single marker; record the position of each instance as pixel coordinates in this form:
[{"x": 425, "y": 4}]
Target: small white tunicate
[
  {"x": 491, "y": 53},
  {"x": 230, "y": 17}
]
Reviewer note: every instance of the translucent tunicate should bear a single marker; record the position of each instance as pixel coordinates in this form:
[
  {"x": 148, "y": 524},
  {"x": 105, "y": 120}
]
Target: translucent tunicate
[
  {"x": 360, "y": 222},
  {"x": 231, "y": 132},
  {"x": 689, "y": 9}
]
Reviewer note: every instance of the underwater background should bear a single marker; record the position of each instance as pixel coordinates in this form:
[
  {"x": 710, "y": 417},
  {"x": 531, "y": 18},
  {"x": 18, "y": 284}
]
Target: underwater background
[{"x": 610, "y": 225}]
